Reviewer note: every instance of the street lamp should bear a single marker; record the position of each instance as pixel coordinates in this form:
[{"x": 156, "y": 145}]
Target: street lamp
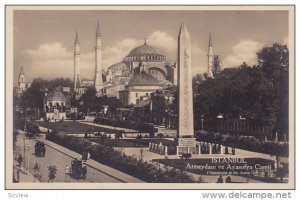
[
  {"x": 28, "y": 149},
  {"x": 202, "y": 119}
]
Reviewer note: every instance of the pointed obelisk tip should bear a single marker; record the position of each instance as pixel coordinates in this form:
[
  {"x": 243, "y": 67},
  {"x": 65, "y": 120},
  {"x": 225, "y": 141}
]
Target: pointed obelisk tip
[
  {"x": 98, "y": 34},
  {"x": 182, "y": 26}
]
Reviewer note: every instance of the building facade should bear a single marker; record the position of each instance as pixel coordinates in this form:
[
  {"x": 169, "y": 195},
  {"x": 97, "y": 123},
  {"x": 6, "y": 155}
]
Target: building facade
[
  {"x": 22, "y": 84},
  {"x": 55, "y": 105},
  {"x": 139, "y": 89}
]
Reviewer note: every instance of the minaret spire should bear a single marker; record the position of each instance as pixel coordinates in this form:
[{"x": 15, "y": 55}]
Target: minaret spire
[
  {"x": 21, "y": 71},
  {"x": 77, "y": 81},
  {"x": 76, "y": 38},
  {"x": 98, "y": 62},
  {"x": 98, "y": 32},
  {"x": 21, "y": 82},
  {"x": 209, "y": 42},
  {"x": 210, "y": 57}
]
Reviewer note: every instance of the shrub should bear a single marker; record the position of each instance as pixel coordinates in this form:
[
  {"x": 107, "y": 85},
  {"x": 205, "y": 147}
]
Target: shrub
[{"x": 142, "y": 127}]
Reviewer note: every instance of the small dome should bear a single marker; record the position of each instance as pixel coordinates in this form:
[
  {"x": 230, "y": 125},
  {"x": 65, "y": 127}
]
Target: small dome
[
  {"x": 55, "y": 95},
  {"x": 118, "y": 66},
  {"x": 143, "y": 79}
]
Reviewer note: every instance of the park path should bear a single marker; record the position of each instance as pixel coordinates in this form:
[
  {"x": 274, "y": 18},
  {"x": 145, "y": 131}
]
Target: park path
[
  {"x": 94, "y": 164},
  {"x": 62, "y": 157}
]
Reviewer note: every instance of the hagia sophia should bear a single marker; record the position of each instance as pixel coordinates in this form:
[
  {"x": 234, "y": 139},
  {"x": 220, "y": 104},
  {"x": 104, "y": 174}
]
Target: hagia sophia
[{"x": 143, "y": 71}]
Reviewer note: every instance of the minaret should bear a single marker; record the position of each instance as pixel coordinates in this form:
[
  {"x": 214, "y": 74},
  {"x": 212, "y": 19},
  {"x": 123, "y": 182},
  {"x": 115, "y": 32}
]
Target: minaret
[
  {"x": 21, "y": 81},
  {"x": 210, "y": 58},
  {"x": 98, "y": 60},
  {"x": 185, "y": 95},
  {"x": 77, "y": 82}
]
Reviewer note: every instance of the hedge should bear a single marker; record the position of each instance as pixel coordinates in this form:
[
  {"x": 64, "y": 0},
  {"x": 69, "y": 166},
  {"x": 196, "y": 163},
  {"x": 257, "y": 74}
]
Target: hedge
[
  {"x": 142, "y": 127},
  {"x": 138, "y": 168}
]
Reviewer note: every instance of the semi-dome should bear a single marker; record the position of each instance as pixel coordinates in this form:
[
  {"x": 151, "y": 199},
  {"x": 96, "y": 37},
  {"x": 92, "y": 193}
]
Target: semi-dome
[
  {"x": 55, "y": 96},
  {"x": 118, "y": 66},
  {"x": 143, "y": 79}
]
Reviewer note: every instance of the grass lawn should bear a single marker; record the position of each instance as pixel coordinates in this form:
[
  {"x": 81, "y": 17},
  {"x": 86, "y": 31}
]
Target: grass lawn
[{"x": 75, "y": 127}]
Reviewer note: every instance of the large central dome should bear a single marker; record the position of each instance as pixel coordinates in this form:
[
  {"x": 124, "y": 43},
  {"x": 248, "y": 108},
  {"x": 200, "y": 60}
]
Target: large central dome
[{"x": 145, "y": 52}]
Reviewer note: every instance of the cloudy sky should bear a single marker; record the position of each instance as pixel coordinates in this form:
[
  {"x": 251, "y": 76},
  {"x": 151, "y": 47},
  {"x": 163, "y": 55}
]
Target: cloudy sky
[{"x": 44, "y": 40}]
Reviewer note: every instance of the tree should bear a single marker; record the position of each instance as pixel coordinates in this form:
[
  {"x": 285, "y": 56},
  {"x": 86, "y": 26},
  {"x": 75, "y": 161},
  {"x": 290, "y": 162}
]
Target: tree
[
  {"x": 216, "y": 67},
  {"x": 88, "y": 102},
  {"x": 274, "y": 62},
  {"x": 33, "y": 98},
  {"x": 257, "y": 93},
  {"x": 52, "y": 169}
]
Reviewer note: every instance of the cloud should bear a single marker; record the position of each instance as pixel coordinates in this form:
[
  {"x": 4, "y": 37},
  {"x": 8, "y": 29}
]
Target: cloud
[
  {"x": 116, "y": 53},
  {"x": 161, "y": 40},
  {"x": 52, "y": 60},
  {"x": 49, "y": 51},
  {"x": 199, "y": 60},
  {"x": 165, "y": 43},
  {"x": 244, "y": 51}
]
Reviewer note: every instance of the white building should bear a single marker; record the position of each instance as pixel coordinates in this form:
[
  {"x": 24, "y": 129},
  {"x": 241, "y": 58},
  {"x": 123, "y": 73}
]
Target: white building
[
  {"x": 55, "y": 106},
  {"x": 139, "y": 88}
]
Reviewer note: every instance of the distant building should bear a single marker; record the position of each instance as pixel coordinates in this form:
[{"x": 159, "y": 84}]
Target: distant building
[
  {"x": 22, "y": 84},
  {"x": 55, "y": 104},
  {"x": 112, "y": 90},
  {"x": 142, "y": 58}
]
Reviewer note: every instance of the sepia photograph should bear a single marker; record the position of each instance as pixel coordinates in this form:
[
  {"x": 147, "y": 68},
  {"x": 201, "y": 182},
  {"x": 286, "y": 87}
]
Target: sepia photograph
[{"x": 149, "y": 97}]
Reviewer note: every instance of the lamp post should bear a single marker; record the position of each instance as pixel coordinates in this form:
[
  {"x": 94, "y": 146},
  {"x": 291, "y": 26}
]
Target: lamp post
[
  {"x": 202, "y": 119},
  {"x": 28, "y": 149}
]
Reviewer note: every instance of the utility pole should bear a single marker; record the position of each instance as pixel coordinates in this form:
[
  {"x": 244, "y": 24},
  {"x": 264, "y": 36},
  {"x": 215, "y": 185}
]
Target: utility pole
[{"x": 28, "y": 148}]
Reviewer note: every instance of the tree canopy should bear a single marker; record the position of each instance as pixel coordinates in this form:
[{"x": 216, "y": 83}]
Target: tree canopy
[{"x": 258, "y": 93}]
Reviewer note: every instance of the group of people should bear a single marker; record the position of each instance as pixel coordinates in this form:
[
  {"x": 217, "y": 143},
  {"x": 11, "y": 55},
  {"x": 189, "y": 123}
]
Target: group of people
[
  {"x": 221, "y": 180},
  {"x": 216, "y": 149},
  {"x": 227, "y": 150}
]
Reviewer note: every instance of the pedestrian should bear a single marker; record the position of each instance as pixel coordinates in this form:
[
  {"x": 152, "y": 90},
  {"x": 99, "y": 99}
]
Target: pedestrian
[
  {"x": 226, "y": 150},
  {"x": 84, "y": 156},
  {"x": 233, "y": 151},
  {"x": 88, "y": 155},
  {"x": 20, "y": 160},
  {"x": 220, "y": 179},
  {"x": 228, "y": 179}
]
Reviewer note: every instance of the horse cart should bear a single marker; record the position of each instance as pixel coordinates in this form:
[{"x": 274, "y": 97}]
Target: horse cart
[
  {"x": 40, "y": 149},
  {"x": 78, "y": 169}
]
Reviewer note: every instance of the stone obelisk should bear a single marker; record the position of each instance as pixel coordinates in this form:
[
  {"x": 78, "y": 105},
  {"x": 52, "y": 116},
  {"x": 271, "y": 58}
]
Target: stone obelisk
[
  {"x": 77, "y": 82},
  {"x": 186, "y": 140},
  {"x": 186, "y": 118},
  {"x": 98, "y": 63}
]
